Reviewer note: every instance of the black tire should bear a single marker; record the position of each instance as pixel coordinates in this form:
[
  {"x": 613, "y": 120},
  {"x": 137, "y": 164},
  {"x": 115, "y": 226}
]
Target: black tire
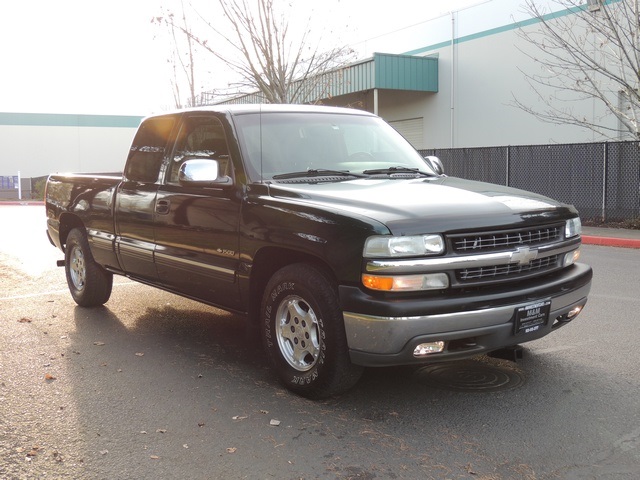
[
  {"x": 303, "y": 333},
  {"x": 90, "y": 284}
]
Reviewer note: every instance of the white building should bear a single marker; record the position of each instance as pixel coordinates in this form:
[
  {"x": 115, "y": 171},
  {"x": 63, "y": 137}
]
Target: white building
[
  {"x": 39, "y": 144},
  {"x": 481, "y": 70},
  {"x": 447, "y": 82}
]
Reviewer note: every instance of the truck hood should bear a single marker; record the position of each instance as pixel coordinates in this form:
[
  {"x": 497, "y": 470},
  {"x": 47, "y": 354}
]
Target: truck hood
[{"x": 439, "y": 204}]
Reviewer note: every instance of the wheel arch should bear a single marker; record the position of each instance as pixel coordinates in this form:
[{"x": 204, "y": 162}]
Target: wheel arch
[
  {"x": 269, "y": 260},
  {"x": 68, "y": 221}
]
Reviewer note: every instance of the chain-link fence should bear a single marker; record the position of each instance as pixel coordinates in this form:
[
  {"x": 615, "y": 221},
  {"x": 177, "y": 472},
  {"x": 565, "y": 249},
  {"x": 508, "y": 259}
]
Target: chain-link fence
[
  {"x": 32, "y": 188},
  {"x": 601, "y": 179}
]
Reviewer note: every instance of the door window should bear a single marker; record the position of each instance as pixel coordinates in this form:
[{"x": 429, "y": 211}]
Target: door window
[{"x": 201, "y": 137}]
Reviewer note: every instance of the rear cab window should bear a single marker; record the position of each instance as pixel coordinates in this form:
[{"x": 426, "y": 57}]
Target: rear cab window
[{"x": 148, "y": 149}]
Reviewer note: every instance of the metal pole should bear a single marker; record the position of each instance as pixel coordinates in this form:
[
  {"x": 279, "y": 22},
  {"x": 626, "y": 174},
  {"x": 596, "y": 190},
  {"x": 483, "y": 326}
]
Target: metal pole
[
  {"x": 508, "y": 164},
  {"x": 453, "y": 83},
  {"x": 605, "y": 160},
  {"x": 375, "y": 101},
  {"x": 19, "y": 186}
]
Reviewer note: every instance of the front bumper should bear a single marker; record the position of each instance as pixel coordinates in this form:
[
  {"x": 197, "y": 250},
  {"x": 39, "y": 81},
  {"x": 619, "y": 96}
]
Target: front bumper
[{"x": 383, "y": 333}]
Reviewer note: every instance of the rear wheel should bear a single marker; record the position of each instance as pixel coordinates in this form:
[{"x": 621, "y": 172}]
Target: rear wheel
[
  {"x": 303, "y": 333},
  {"x": 90, "y": 284}
]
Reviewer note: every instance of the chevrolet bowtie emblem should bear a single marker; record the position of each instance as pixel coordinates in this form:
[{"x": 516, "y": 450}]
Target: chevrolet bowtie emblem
[{"x": 524, "y": 255}]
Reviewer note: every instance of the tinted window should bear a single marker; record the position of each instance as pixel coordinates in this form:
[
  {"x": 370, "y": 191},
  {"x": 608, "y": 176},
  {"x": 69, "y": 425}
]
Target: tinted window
[
  {"x": 147, "y": 150},
  {"x": 276, "y": 143},
  {"x": 201, "y": 137}
]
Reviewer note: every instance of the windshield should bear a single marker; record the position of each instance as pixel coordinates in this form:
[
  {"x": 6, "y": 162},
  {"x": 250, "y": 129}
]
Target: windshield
[{"x": 277, "y": 144}]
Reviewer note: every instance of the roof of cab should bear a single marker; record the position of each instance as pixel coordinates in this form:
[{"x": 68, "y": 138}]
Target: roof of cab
[{"x": 270, "y": 108}]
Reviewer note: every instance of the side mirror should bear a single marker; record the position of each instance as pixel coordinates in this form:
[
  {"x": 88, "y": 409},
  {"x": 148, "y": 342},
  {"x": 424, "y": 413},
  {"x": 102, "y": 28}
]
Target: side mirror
[
  {"x": 435, "y": 163},
  {"x": 199, "y": 172}
]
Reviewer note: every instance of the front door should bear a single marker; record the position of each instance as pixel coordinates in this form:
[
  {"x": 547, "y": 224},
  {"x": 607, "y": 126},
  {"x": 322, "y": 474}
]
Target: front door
[{"x": 196, "y": 228}]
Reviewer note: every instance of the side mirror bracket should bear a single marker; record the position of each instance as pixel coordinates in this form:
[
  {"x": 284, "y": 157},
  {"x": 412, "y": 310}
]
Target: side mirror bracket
[{"x": 435, "y": 163}]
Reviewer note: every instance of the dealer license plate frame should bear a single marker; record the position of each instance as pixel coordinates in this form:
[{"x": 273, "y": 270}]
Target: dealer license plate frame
[{"x": 532, "y": 318}]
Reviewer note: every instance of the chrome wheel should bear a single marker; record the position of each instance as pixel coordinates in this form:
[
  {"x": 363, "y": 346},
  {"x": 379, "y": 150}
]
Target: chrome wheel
[
  {"x": 77, "y": 268},
  {"x": 297, "y": 332},
  {"x": 89, "y": 283}
]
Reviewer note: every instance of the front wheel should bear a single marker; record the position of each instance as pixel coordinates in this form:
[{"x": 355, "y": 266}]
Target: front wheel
[
  {"x": 303, "y": 333},
  {"x": 90, "y": 284}
]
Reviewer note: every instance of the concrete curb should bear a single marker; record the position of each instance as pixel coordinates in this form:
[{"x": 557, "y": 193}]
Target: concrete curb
[{"x": 611, "y": 241}]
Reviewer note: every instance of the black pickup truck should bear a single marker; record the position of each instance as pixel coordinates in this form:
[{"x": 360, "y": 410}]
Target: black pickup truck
[{"x": 329, "y": 232}]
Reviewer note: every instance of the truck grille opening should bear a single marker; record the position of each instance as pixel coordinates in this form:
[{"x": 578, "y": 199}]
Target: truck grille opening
[
  {"x": 509, "y": 270},
  {"x": 503, "y": 240}
]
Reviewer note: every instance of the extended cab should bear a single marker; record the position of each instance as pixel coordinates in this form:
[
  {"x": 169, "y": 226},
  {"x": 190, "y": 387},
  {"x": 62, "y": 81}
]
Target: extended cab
[{"x": 323, "y": 226}]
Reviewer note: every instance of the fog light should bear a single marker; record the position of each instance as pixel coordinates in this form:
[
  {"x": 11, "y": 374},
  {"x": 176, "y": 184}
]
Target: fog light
[
  {"x": 571, "y": 257},
  {"x": 428, "y": 348},
  {"x": 574, "y": 311}
]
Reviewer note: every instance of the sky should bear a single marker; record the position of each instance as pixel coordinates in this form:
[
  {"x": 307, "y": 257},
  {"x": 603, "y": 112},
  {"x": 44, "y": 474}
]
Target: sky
[{"x": 107, "y": 58}]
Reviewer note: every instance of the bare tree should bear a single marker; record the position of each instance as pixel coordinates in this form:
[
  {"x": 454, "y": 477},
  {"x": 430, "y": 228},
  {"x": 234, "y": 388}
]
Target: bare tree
[
  {"x": 268, "y": 58},
  {"x": 182, "y": 57},
  {"x": 586, "y": 51}
]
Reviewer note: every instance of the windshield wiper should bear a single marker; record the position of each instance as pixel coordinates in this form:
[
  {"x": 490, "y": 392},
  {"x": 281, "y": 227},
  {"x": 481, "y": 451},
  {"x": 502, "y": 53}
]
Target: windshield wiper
[
  {"x": 320, "y": 172},
  {"x": 393, "y": 170}
]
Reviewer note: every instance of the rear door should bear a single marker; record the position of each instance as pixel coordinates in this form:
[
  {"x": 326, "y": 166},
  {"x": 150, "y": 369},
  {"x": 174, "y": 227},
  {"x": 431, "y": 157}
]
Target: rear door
[
  {"x": 196, "y": 228},
  {"x": 136, "y": 197}
]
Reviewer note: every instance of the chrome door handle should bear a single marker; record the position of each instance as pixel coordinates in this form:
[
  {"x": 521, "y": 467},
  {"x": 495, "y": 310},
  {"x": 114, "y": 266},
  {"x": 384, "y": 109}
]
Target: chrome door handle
[{"x": 163, "y": 207}]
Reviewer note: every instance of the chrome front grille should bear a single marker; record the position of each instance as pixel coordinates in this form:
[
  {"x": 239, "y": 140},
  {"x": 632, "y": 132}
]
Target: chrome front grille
[
  {"x": 492, "y": 242},
  {"x": 505, "y": 240},
  {"x": 496, "y": 272}
]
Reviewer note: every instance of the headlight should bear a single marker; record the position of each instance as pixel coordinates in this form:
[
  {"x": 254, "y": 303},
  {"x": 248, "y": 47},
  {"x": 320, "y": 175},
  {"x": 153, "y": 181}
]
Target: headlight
[
  {"x": 573, "y": 228},
  {"x": 409, "y": 246}
]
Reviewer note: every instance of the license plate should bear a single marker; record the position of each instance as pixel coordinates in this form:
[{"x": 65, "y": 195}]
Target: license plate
[{"x": 531, "y": 318}]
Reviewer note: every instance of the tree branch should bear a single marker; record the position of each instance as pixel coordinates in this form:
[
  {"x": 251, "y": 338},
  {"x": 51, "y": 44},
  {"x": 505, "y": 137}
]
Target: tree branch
[{"x": 586, "y": 55}]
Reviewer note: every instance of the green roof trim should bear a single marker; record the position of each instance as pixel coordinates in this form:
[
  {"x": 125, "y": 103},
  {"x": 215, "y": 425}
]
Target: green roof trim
[
  {"x": 505, "y": 28},
  {"x": 68, "y": 120},
  {"x": 405, "y": 72},
  {"x": 384, "y": 71}
]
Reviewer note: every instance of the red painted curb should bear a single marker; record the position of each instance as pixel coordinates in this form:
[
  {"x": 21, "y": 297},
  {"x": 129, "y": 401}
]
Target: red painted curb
[{"x": 611, "y": 242}]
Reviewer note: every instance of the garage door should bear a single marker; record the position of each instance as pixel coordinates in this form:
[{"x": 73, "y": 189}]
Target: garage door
[{"x": 411, "y": 129}]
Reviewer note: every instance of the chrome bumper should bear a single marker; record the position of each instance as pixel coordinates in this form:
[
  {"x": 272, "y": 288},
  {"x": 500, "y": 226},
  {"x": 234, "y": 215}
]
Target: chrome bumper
[{"x": 378, "y": 341}]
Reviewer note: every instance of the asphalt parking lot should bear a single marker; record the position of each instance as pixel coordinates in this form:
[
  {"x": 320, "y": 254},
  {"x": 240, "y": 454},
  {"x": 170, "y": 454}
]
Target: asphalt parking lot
[{"x": 155, "y": 386}]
